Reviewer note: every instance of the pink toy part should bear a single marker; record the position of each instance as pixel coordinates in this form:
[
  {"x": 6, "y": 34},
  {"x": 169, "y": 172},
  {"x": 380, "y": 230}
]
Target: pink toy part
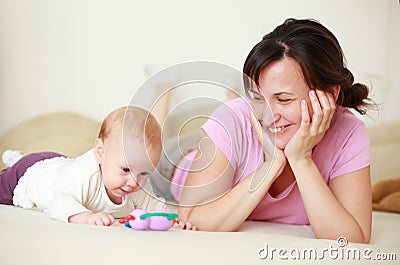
[
  {"x": 137, "y": 223},
  {"x": 160, "y": 223},
  {"x": 140, "y": 219}
]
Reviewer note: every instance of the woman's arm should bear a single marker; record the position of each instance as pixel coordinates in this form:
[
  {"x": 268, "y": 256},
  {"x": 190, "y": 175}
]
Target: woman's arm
[
  {"x": 215, "y": 206},
  {"x": 341, "y": 209},
  {"x": 344, "y": 207}
]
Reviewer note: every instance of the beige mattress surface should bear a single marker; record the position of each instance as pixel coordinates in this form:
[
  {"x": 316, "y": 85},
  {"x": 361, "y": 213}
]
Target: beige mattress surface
[{"x": 31, "y": 237}]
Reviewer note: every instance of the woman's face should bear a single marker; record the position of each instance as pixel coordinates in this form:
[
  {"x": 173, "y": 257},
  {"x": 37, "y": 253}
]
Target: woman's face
[{"x": 282, "y": 86}]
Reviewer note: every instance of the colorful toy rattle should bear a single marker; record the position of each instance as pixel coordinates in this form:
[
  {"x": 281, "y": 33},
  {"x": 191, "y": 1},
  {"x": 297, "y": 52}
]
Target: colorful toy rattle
[{"x": 140, "y": 219}]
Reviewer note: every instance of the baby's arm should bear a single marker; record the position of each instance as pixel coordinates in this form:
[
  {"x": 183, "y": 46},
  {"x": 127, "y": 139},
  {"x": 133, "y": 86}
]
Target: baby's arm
[
  {"x": 100, "y": 218},
  {"x": 68, "y": 208}
]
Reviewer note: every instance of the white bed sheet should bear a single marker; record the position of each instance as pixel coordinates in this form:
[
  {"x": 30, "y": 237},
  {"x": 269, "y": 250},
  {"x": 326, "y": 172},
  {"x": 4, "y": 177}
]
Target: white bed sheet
[{"x": 31, "y": 237}]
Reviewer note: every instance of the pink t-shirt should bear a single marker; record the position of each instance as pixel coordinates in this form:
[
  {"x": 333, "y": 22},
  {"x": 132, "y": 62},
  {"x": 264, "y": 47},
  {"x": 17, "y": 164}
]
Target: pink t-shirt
[{"x": 344, "y": 148}]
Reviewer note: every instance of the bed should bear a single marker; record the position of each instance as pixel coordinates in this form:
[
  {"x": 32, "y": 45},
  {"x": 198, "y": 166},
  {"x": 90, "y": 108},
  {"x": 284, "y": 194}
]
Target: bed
[{"x": 31, "y": 237}]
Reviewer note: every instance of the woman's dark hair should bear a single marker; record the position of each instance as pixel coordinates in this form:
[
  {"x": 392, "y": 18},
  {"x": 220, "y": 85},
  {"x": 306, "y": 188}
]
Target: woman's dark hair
[{"x": 319, "y": 55}]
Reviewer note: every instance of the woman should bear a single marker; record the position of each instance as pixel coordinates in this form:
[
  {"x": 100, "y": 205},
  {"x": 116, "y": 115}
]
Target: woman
[{"x": 318, "y": 171}]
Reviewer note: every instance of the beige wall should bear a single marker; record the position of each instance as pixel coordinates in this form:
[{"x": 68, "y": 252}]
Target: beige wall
[{"x": 89, "y": 56}]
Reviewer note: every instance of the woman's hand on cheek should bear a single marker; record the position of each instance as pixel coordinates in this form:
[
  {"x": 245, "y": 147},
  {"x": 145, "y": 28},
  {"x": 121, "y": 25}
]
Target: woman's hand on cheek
[
  {"x": 313, "y": 127},
  {"x": 270, "y": 150}
]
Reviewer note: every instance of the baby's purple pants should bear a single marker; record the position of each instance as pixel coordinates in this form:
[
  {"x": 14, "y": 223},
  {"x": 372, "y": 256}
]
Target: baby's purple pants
[{"x": 9, "y": 176}]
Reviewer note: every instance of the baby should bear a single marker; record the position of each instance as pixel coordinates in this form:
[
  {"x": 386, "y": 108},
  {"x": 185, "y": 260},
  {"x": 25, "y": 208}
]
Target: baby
[{"x": 106, "y": 182}]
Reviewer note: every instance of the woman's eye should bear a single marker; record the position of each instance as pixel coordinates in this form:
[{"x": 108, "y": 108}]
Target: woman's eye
[
  {"x": 126, "y": 169},
  {"x": 283, "y": 100}
]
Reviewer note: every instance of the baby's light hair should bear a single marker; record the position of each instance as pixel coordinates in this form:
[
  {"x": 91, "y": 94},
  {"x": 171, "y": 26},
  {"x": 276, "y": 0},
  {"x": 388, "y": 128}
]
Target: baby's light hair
[{"x": 136, "y": 121}]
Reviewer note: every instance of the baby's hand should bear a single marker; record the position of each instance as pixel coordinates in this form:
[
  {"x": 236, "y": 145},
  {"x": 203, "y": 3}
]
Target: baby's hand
[
  {"x": 101, "y": 218},
  {"x": 185, "y": 226}
]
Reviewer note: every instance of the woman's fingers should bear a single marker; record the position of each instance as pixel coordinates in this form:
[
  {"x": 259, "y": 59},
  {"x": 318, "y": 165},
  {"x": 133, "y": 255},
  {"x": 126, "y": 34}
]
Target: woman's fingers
[
  {"x": 256, "y": 126},
  {"x": 317, "y": 115},
  {"x": 328, "y": 106},
  {"x": 186, "y": 226},
  {"x": 266, "y": 142},
  {"x": 323, "y": 106},
  {"x": 305, "y": 117},
  {"x": 332, "y": 104}
]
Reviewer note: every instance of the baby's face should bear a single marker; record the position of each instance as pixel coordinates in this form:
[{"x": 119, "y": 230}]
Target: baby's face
[{"x": 126, "y": 168}]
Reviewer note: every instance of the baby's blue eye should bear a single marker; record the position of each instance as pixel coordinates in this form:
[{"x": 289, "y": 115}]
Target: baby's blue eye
[
  {"x": 143, "y": 173},
  {"x": 126, "y": 169}
]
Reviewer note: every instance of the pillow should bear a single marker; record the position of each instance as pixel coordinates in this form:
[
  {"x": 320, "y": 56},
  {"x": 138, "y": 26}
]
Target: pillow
[{"x": 64, "y": 132}]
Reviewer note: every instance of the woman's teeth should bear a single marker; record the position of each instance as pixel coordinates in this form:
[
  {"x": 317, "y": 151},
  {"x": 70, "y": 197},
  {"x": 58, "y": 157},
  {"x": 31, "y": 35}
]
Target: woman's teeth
[{"x": 276, "y": 129}]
